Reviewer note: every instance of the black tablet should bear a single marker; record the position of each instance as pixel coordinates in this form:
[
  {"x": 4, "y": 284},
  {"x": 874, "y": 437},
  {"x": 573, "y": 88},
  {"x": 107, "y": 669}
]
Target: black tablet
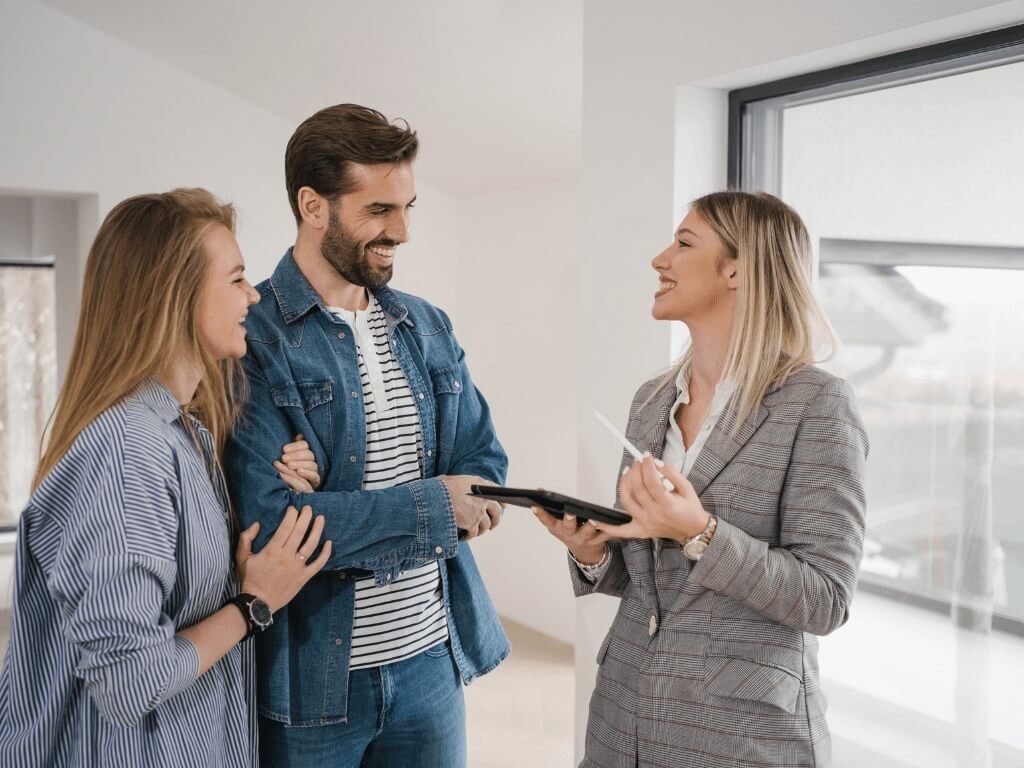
[{"x": 555, "y": 503}]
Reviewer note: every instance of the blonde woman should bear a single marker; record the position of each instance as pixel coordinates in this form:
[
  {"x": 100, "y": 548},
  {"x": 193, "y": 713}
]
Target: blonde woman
[
  {"x": 726, "y": 579},
  {"x": 128, "y": 618}
]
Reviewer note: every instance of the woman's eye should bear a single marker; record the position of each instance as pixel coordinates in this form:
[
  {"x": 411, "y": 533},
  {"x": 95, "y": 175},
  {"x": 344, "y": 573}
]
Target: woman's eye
[{"x": 683, "y": 244}]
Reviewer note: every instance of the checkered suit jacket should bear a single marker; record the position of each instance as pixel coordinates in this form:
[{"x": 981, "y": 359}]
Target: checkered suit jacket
[{"x": 714, "y": 664}]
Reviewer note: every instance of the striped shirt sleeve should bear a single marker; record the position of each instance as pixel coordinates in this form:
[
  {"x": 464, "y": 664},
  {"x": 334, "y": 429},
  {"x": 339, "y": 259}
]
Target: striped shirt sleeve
[{"x": 113, "y": 573}]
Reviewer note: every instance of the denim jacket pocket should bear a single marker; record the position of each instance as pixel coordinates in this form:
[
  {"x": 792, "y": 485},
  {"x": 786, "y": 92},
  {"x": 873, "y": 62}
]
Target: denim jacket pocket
[
  {"x": 314, "y": 399},
  {"x": 447, "y": 386}
]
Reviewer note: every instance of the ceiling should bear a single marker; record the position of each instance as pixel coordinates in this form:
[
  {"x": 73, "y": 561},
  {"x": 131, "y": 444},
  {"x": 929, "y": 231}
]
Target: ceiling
[{"x": 492, "y": 86}]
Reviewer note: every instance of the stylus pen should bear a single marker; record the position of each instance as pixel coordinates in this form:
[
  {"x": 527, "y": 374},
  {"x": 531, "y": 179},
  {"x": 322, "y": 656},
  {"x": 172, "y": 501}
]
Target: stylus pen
[{"x": 630, "y": 448}]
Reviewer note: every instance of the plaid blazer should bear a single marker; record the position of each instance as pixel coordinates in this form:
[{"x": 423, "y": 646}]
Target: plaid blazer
[{"x": 714, "y": 663}]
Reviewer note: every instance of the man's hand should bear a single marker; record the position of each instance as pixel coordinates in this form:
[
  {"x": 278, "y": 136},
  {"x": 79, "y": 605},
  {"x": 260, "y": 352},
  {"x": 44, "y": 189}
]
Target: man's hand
[{"x": 473, "y": 515}]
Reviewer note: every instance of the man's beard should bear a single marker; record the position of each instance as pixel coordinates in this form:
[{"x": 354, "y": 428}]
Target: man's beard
[{"x": 350, "y": 258}]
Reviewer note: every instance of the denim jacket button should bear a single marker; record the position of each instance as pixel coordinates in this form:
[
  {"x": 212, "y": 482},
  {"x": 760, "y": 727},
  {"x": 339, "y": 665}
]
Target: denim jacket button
[
  {"x": 353, "y": 458},
  {"x": 421, "y": 395},
  {"x": 355, "y": 394},
  {"x": 337, "y": 641},
  {"x": 341, "y": 335},
  {"x": 438, "y": 550},
  {"x": 430, "y": 452}
]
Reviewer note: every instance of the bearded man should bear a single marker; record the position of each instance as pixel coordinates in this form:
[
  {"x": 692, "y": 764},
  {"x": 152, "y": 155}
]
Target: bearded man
[{"x": 365, "y": 666}]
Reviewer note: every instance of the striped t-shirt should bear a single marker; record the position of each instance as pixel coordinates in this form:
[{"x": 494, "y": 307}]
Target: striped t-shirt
[{"x": 400, "y": 619}]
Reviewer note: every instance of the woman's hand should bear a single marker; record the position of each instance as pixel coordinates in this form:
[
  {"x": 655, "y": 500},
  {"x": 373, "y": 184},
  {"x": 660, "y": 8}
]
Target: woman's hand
[
  {"x": 585, "y": 542},
  {"x": 657, "y": 513},
  {"x": 283, "y": 566},
  {"x": 297, "y": 466}
]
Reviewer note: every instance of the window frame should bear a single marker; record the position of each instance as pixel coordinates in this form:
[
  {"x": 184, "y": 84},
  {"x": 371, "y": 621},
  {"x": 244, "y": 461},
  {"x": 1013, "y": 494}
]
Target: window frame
[{"x": 944, "y": 59}]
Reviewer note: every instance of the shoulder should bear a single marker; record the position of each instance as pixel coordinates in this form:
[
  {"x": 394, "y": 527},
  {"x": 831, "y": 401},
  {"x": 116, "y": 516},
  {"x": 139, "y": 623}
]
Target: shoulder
[
  {"x": 96, "y": 482},
  {"x": 426, "y": 318},
  {"x": 811, "y": 383},
  {"x": 823, "y": 403}
]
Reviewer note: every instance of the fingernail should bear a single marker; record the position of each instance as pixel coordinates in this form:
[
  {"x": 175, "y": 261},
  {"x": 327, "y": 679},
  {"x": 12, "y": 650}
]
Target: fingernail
[
  {"x": 659, "y": 463},
  {"x": 624, "y": 471},
  {"x": 646, "y": 454}
]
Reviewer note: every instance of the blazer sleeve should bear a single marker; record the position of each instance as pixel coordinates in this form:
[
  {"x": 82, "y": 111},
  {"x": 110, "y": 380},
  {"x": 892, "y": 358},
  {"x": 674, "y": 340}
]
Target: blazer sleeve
[{"x": 808, "y": 580}]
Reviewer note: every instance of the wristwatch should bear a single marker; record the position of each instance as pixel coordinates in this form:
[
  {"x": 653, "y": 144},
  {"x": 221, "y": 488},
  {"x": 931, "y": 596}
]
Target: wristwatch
[
  {"x": 257, "y": 614},
  {"x": 694, "y": 548}
]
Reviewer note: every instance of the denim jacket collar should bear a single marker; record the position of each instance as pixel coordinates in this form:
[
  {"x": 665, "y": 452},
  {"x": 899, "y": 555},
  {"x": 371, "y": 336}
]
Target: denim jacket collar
[{"x": 296, "y": 297}]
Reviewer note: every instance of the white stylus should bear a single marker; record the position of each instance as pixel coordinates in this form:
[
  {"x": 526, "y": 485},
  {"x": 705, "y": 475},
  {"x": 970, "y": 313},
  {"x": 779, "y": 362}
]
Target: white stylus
[{"x": 630, "y": 448}]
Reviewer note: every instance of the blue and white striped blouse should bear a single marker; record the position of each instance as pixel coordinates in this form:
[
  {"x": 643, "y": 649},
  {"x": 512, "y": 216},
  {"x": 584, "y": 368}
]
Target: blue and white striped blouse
[{"x": 125, "y": 542}]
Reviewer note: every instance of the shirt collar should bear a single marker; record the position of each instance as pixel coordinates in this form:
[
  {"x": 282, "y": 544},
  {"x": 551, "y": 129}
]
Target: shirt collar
[
  {"x": 158, "y": 398},
  {"x": 295, "y": 296}
]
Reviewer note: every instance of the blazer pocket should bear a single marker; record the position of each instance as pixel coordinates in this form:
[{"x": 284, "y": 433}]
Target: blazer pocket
[{"x": 752, "y": 681}]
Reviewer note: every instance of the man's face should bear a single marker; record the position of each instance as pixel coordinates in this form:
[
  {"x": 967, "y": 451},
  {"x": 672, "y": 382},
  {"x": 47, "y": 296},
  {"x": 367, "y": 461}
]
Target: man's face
[{"x": 367, "y": 225}]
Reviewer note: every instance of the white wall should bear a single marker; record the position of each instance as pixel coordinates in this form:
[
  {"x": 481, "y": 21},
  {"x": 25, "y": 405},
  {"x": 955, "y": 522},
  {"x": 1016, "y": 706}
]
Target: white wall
[
  {"x": 518, "y": 314},
  {"x": 86, "y": 113}
]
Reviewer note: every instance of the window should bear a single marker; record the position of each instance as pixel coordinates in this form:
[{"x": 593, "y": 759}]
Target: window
[
  {"x": 28, "y": 386},
  {"x": 909, "y": 171}
]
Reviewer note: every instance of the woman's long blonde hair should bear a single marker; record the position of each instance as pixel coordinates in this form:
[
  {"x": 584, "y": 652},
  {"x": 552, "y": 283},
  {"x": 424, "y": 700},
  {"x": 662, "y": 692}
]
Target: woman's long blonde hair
[
  {"x": 779, "y": 326},
  {"x": 142, "y": 284}
]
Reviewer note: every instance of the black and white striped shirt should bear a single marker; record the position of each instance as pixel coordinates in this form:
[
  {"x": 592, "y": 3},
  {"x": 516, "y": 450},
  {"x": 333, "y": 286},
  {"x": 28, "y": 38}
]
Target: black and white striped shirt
[
  {"x": 401, "y": 619},
  {"x": 125, "y": 543}
]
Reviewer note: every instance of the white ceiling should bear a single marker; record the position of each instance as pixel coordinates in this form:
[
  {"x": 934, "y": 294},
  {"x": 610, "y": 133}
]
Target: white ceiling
[
  {"x": 492, "y": 86},
  {"x": 495, "y": 87}
]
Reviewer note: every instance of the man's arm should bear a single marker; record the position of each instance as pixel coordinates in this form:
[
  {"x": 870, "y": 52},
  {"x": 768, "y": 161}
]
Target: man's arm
[{"x": 369, "y": 530}]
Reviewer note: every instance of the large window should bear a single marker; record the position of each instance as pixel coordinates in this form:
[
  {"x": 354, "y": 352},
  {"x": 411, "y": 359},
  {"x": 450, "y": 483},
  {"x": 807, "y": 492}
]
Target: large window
[
  {"x": 29, "y": 381},
  {"x": 909, "y": 171}
]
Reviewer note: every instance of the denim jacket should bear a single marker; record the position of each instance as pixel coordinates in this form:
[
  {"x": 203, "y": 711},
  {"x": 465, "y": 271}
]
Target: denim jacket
[{"x": 303, "y": 377}]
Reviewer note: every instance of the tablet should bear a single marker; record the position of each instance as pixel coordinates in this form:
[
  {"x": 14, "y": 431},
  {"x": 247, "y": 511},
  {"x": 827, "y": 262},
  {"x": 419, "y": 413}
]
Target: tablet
[{"x": 555, "y": 503}]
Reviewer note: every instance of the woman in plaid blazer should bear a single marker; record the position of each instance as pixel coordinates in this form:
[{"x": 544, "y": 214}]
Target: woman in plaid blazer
[{"x": 726, "y": 579}]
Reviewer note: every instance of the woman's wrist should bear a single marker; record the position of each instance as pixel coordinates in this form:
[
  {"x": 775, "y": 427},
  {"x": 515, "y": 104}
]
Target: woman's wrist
[{"x": 591, "y": 559}]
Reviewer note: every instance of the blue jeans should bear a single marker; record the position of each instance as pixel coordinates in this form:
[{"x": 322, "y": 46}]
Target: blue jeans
[{"x": 410, "y": 714}]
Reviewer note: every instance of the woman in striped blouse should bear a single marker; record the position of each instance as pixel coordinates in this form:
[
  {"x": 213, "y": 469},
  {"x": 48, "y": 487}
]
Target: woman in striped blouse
[{"x": 128, "y": 617}]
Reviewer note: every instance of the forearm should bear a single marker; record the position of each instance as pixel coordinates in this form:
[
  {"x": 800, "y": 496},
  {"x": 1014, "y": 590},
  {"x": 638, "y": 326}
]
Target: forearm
[
  {"x": 774, "y": 581},
  {"x": 214, "y": 636}
]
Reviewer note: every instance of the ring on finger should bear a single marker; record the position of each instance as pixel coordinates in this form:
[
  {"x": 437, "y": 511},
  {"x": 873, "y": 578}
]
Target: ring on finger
[{"x": 301, "y": 556}]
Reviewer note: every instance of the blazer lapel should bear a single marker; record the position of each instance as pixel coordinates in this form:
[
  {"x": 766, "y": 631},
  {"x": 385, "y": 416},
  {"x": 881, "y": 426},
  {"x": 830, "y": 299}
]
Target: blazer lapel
[
  {"x": 646, "y": 430},
  {"x": 721, "y": 447}
]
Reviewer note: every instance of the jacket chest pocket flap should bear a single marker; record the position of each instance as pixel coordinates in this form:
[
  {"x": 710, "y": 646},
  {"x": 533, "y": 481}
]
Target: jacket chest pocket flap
[
  {"x": 750, "y": 680},
  {"x": 313, "y": 398}
]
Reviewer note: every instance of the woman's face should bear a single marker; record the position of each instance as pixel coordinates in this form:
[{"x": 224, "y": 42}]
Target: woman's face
[
  {"x": 225, "y": 297},
  {"x": 696, "y": 277}
]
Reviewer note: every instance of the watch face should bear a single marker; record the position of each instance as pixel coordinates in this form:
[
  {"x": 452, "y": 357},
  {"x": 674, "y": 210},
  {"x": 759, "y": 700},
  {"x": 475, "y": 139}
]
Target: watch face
[
  {"x": 260, "y": 613},
  {"x": 694, "y": 549}
]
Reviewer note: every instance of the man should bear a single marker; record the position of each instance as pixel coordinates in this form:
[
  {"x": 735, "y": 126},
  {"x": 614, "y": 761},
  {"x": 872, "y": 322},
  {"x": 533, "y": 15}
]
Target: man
[{"x": 369, "y": 659}]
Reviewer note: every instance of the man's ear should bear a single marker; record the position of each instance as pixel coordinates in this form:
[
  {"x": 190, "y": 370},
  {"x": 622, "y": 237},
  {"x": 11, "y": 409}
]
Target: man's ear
[{"x": 314, "y": 209}]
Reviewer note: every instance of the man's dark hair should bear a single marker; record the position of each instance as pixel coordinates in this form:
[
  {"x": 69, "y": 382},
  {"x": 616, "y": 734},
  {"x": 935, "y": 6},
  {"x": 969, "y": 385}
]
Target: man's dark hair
[{"x": 321, "y": 149}]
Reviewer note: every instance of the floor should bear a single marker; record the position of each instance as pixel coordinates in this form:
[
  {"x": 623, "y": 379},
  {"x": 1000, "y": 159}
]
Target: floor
[{"x": 520, "y": 715}]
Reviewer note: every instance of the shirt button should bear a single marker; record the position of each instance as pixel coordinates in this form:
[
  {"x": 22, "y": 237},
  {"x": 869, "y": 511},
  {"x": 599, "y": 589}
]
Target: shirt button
[
  {"x": 341, "y": 335},
  {"x": 420, "y": 395},
  {"x": 438, "y": 550},
  {"x": 652, "y": 627},
  {"x": 337, "y": 641},
  {"x": 353, "y": 459}
]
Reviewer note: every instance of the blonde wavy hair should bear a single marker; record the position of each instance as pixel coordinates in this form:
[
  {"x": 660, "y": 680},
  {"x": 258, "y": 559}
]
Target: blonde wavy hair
[
  {"x": 142, "y": 284},
  {"x": 779, "y": 327}
]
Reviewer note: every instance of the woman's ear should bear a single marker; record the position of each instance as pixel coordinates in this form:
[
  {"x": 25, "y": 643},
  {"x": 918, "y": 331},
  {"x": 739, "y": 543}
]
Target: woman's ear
[{"x": 730, "y": 270}]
